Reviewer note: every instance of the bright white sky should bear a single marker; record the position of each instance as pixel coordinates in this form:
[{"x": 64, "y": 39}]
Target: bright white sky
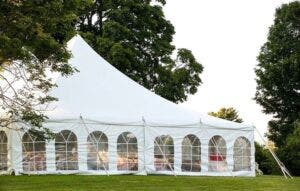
[{"x": 225, "y": 37}]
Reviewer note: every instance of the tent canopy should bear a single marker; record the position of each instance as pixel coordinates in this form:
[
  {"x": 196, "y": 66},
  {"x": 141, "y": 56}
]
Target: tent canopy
[{"x": 101, "y": 92}]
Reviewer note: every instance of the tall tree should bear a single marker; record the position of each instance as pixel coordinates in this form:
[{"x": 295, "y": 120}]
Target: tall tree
[
  {"x": 227, "y": 113},
  {"x": 32, "y": 41},
  {"x": 135, "y": 37},
  {"x": 278, "y": 83},
  {"x": 278, "y": 73}
]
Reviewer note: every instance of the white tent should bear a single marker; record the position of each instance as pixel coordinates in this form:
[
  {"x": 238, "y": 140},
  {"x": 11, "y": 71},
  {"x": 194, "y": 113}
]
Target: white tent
[{"x": 108, "y": 124}]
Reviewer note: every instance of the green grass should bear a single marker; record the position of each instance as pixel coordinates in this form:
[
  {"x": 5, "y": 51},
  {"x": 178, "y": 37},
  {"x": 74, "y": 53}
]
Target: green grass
[{"x": 156, "y": 183}]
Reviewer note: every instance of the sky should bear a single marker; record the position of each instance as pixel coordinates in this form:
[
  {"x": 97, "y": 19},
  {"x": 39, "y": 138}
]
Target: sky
[{"x": 225, "y": 37}]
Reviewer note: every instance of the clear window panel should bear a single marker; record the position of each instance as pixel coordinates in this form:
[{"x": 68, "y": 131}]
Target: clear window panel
[
  {"x": 191, "y": 154},
  {"x": 66, "y": 151},
  {"x": 217, "y": 154},
  {"x": 127, "y": 149},
  {"x": 164, "y": 153},
  {"x": 97, "y": 147},
  {"x": 33, "y": 152},
  {"x": 242, "y": 154}
]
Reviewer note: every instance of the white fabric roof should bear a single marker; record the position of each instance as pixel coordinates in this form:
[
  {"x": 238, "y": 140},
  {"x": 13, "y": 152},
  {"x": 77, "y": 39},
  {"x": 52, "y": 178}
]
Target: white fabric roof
[{"x": 101, "y": 92}]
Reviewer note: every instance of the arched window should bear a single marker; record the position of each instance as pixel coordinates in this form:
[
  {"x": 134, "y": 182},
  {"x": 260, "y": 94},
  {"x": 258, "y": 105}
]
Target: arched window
[
  {"x": 217, "y": 154},
  {"x": 241, "y": 154},
  {"x": 97, "y": 147},
  {"x": 3, "y": 151},
  {"x": 191, "y": 154},
  {"x": 34, "y": 152},
  {"x": 66, "y": 151},
  {"x": 164, "y": 153},
  {"x": 127, "y": 148}
]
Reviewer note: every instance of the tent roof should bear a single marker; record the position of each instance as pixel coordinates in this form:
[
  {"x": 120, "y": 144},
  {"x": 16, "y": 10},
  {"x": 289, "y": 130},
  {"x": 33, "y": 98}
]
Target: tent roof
[{"x": 101, "y": 92}]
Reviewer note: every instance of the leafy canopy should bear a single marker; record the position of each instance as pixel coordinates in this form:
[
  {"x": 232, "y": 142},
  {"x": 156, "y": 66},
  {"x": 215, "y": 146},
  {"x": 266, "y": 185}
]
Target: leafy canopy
[
  {"x": 131, "y": 34},
  {"x": 278, "y": 83},
  {"x": 227, "y": 113},
  {"x": 135, "y": 37},
  {"x": 278, "y": 73},
  {"x": 32, "y": 41}
]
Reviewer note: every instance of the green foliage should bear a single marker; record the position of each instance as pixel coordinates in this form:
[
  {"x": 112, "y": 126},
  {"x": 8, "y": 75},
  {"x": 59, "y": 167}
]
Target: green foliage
[
  {"x": 135, "y": 37},
  {"x": 278, "y": 73},
  {"x": 36, "y": 28},
  {"x": 278, "y": 82},
  {"x": 227, "y": 113},
  {"x": 131, "y": 34},
  {"x": 265, "y": 160},
  {"x": 290, "y": 153},
  {"x": 32, "y": 40}
]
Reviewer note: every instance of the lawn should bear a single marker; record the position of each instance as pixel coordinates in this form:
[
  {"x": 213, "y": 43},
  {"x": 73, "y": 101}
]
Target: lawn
[{"x": 156, "y": 183}]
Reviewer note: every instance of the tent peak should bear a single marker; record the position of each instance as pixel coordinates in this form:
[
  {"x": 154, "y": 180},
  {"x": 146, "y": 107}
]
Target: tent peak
[{"x": 71, "y": 43}]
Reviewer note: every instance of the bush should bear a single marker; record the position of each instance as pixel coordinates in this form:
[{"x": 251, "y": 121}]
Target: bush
[
  {"x": 290, "y": 153},
  {"x": 265, "y": 160}
]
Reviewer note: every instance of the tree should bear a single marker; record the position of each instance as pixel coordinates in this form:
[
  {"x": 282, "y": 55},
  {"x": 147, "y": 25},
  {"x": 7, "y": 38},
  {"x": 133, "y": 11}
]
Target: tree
[
  {"x": 278, "y": 73},
  {"x": 135, "y": 37},
  {"x": 290, "y": 153},
  {"x": 227, "y": 113},
  {"x": 32, "y": 41}
]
